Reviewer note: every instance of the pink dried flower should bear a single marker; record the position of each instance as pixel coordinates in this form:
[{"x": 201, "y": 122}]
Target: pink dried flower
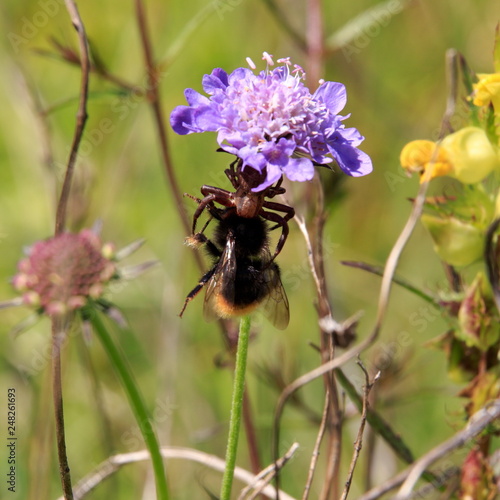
[
  {"x": 64, "y": 271},
  {"x": 69, "y": 272}
]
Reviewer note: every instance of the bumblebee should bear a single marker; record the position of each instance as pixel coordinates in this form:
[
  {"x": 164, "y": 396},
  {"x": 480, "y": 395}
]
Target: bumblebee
[{"x": 243, "y": 276}]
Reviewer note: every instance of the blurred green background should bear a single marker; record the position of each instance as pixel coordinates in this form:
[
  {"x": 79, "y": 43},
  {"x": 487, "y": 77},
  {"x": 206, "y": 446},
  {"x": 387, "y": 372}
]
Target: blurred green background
[{"x": 394, "y": 70}]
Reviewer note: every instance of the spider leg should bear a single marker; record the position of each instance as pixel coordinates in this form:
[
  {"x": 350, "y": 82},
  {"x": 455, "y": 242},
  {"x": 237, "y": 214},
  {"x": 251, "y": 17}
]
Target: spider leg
[
  {"x": 232, "y": 174},
  {"x": 281, "y": 221},
  {"x": 211, "y": 194}
]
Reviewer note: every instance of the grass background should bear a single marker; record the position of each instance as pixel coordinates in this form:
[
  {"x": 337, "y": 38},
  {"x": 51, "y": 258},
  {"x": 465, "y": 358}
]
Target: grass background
[{"x": 395, "y": 77}]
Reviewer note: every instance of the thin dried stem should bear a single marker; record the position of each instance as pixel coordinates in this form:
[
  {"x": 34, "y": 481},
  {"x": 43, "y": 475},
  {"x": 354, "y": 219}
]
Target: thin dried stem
[
  {"x": 81, "y": 115},
  {"x": 116, "y": 462},
  {"x": 385, "y": 288},
  {"x": 314, "y": 243},
  {"x": 317, "y": 444},
  {"x": 253, "y": 450},
  {"x": 58, "y": 324},
  {"x": 478, "y": 422},
  {"x": 266, "y": 475},
  {"x": 359, "y": 439},
  {"x": 315, "y": 43},
  {"x": 154, "y": 99},
  {"x": 67, "y": 54},
  {"x": 58, "y": 336}
]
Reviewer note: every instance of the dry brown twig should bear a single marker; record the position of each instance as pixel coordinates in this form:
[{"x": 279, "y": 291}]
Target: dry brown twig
[
  {"x": 359, "y": 438},
  {"x": 408, "y": 478},
  {"x": 116, "y": 462},
  {"x": 389, "y": 269},
  {"x": 329, "y": 335},
  {"x": 59, "y": 325},
  {"x": 266, "y": 475},
  {"x": 385, "y": 288},
  {"x": 81, "y": 115},
  {"x": 317, "y": 444},
  {"x": 477, "y": 423}
]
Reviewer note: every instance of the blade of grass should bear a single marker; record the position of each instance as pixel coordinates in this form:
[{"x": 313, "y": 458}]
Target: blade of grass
[
  {"x": 136, "y": 401},
  {"x": 379, "y": 271},
  {"x": 236, "y": 407},
  {"x": 187, "y": 34}
]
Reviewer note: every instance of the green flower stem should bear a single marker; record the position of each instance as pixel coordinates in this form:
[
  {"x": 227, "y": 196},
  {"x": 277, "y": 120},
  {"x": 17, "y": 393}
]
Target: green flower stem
[
  {"x": 136, "y": 402},
  {"x": 236, "y": 406}
]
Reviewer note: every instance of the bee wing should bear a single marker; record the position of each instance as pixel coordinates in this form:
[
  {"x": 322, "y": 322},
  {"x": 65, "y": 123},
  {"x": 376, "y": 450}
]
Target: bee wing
[
  {"x": 275, "y": 306},
  {"x": 223, "y": 277}
]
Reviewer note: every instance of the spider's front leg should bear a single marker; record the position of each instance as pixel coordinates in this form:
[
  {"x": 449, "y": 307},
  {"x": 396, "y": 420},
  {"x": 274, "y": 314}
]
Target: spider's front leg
[
  {"x": 281, "y": 221},
  {"x": 211, "y": 194},
  {"x": 232, "y": 174}
]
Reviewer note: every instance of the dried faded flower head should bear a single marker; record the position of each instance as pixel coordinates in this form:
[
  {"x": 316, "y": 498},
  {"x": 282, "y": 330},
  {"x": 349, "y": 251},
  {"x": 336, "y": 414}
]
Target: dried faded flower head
[
  {"x": 60, "y": 274},
  {"x": 70, "y": 271}
]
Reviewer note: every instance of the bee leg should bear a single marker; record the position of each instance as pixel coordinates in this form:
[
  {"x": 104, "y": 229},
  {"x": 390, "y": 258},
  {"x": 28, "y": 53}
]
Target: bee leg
[{"x": 196, "y": 290}]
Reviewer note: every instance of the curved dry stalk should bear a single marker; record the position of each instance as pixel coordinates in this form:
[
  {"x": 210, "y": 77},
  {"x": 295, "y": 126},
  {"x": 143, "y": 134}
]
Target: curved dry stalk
[
  {"x": 263, "y": 478},
  {"x": 81, "y": 115},
  {"x": 114, "y": 464},
  {"x": 452, "y": 59},
  {"x": 390, "y": 269},
  {"x": 315, "y": 43},
  {"x": 59, "y": 324},
  {"x": 59, "y": 328},
  {"x": 359, "y": 437},
  {"x": 153, "y": 96},
  {"x": 478, "y": 422},
  {"x": 317, "y": 444}
]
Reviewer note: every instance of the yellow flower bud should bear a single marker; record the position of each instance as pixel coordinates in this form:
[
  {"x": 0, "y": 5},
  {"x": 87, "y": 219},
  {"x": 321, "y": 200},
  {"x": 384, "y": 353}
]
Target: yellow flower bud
[
  {"x": 456, "y": 242},
  {"x": 426, "y": 158},
  {"x": 471, "y": 154},
  {"x": 487, "y": 90}
]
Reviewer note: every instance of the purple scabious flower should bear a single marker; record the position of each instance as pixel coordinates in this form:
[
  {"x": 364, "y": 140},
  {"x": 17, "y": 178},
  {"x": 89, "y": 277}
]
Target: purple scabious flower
[{"x": 273, "y": 123}]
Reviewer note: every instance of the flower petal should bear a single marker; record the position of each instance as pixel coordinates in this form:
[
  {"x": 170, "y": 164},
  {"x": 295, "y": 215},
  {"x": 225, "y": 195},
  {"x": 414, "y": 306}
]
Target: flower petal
[
  {"x": 333, "y": 94},
  {"x": 352, "y": 160}
]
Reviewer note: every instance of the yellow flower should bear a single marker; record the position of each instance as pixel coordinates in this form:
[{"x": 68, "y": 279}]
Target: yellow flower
[
  {"x": 467, "y": 155},
  {"x": 471, "y": 154},
  {"x": 426, "y": 158},
  {"x": 487, "y": 90}
]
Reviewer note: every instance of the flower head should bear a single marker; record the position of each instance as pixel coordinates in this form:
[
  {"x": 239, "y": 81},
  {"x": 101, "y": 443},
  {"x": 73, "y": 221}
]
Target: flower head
[
  {"x": 70, "y": 271},
  {"x": 273, "y": 123},
  {"x": 487, "y": 90},
  {"x": 426, "y": 158},
  {"x": 62, "y": 272},
  {"x": 467, "y": 155}
]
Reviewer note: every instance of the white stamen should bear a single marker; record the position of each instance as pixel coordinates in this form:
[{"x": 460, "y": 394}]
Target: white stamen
[
  {"x": 268, "y": 58},
  {"x": 321, "y": 81},
  {"x": 285, "y": 60},
  {"x": 251, "y": 63}
]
